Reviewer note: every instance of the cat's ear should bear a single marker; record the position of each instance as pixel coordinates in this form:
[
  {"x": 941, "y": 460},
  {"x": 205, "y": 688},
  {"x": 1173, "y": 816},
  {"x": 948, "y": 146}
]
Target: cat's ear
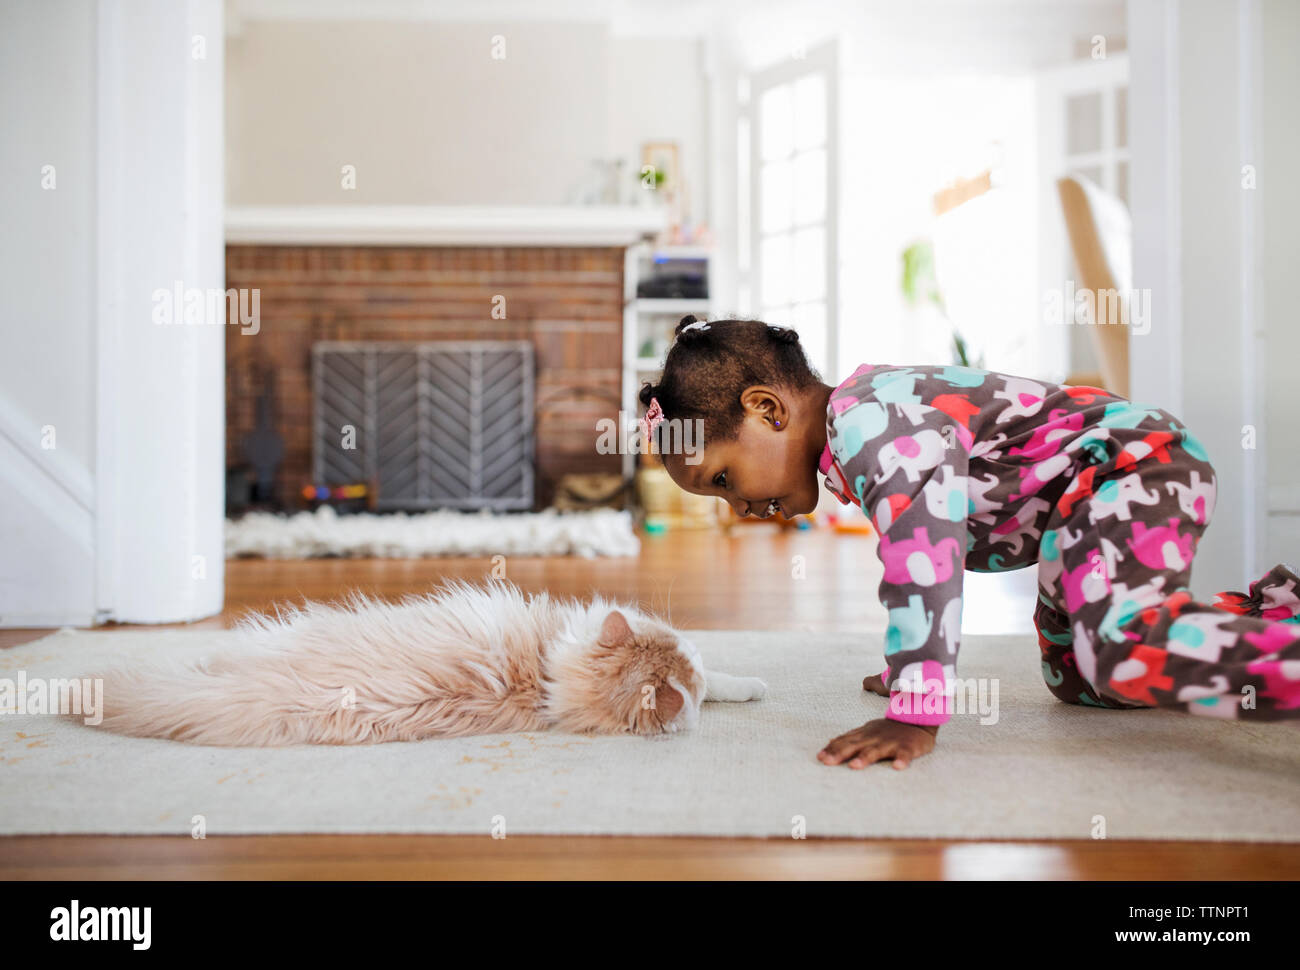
[
  {"x": 668, "y": 701},
  {"x": 614, "y": 630}
]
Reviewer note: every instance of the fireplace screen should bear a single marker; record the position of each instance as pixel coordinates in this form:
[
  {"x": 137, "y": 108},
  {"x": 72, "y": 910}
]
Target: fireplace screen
[{"x": 446, "y": 424}]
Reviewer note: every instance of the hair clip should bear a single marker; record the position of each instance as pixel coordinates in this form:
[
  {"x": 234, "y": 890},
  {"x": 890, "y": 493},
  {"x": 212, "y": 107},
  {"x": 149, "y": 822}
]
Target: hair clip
[
  {"x": 653, "y": 415},
  {"x": 701, "y": 324}
]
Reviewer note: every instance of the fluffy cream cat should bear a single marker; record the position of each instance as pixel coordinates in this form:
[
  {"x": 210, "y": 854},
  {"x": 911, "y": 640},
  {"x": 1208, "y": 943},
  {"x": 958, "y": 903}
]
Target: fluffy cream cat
[{"x": 461, "y": 660}]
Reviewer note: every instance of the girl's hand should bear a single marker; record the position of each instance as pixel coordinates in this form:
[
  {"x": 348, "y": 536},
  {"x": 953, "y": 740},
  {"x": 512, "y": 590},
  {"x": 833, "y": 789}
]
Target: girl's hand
[
  {"x": 878, "y": 741},
  {"x": 876, "y": 684}
]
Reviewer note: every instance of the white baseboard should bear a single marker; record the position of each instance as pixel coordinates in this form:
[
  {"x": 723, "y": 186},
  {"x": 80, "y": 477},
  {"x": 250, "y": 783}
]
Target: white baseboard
[{"x": 1284, "y": 499}]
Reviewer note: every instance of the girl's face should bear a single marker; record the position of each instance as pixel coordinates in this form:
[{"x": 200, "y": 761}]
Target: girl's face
[{"x": 773, "y": 457}]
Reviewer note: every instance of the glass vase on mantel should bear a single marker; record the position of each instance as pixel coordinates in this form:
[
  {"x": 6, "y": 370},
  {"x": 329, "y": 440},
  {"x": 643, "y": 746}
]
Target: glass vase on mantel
[
  {"x": 614, "y": 191},
  {"x": 604, "y": 184}
]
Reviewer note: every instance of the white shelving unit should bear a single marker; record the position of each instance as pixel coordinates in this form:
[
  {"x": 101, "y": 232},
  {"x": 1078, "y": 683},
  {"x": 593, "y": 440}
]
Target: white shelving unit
[{"x": 648, "y": 323}]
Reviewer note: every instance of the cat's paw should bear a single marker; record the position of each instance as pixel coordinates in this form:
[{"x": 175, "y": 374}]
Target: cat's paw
[{"x": 725, "y": 687}]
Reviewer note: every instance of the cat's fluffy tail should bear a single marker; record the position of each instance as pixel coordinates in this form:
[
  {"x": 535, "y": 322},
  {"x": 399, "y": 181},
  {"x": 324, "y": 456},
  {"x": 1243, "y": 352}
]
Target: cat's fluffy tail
[
  {"x": 358, "y": 672},
  {"x": 234, "y": 700}
]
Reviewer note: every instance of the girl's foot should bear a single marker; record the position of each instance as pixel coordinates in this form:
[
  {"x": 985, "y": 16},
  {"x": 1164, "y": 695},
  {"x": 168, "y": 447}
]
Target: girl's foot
[
  {"x": 1274, "y": 596},
  {"x": 876, "y": 684}
]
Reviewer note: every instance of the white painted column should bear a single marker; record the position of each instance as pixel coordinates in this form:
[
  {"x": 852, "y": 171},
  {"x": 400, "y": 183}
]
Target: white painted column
[{"x": 160, "y": 398}]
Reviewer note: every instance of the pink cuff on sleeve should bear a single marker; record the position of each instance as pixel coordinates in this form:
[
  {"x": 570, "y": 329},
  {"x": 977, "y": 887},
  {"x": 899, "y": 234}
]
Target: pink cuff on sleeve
[
  {"x": 931, "y": 705},
  {"x": 917, "y": 709}
]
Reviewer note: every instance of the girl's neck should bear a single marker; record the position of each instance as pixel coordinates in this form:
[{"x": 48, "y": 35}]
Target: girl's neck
[{"x": 818, "y": 401}]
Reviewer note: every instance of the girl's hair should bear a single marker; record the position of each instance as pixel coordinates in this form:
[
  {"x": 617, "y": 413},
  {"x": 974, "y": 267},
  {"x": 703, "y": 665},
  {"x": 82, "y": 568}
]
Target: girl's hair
[{"x": 708, "y": 367}]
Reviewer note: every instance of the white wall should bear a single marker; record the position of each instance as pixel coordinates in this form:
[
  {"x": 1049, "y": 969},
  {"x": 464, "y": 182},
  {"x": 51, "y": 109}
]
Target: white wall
[
  {"x": 47, "y": 103},
  {"x": 422, "y": 110},
  {"x": 428, "y": 116},
  {"x": 658, "y": 92},
  {"x": 107, "y": 523}
]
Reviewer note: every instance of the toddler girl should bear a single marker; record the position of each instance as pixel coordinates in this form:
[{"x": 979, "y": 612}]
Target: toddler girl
[{"x": 959, "y": 468}]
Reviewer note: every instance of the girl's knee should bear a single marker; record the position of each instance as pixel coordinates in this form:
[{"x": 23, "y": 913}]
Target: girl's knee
[
  {"x": 1061, "y": 674},
  {"x": 1065, "y": 689}
]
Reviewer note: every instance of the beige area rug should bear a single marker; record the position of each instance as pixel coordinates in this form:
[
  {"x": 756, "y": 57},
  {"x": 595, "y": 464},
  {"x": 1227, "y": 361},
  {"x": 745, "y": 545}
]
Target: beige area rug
[{"x": 1043, "y": 770}]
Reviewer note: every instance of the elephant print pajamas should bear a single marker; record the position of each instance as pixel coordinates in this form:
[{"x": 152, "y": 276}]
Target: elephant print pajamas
[{"x": 960, "y": 468}]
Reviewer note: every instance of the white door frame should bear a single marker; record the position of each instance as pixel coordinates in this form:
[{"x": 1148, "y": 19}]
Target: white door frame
[{"x": 1170, "y": 187}]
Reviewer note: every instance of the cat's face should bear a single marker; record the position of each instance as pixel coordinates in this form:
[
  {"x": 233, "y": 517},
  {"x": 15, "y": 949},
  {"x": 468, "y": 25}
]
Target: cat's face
[
  {"x": 639, "y": 676},
  {"x": 658, "y": 681}
]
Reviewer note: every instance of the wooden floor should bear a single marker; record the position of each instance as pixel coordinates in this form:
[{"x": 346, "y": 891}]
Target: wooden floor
[{"x": 753, "y": 579}]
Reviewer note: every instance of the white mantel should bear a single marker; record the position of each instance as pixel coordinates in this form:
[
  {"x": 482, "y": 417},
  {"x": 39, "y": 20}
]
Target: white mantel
[{"x": 443, "y": 225}]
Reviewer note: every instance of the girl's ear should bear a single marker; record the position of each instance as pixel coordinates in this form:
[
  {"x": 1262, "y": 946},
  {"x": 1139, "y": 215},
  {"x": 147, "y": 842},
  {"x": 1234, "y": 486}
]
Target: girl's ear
[
  {"x": 614, "y": 630},
  {"x": 767, "y": 404}
]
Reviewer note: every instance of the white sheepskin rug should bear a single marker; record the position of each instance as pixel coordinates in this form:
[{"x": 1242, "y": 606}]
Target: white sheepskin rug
[{"x": 399, "y": 535}]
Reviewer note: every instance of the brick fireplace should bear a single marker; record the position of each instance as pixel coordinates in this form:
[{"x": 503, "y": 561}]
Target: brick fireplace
[{"x": 566, "y": 300}]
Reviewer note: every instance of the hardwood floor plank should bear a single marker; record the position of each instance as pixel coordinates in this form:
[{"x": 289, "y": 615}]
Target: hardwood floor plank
[{"x": 367, "y": 857}]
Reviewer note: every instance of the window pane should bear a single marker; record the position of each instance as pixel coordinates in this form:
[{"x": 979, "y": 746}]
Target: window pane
[
  {"x": 777, "y": 315},
  {"x": 810, "y": 111},
  {"x": 810, "y": 321},
  {"x": 1083, "y": 123},
  {"x": 774, "y": 287},
  {"x": 1121, "y": 182},
  {"x": 777, "y": 196},
  {"x": 810, "y": 186},
  {"x": 1093, "y": 175},
  {"x": 809, "y": 282},
  {"x": 777, "y": 120}
]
